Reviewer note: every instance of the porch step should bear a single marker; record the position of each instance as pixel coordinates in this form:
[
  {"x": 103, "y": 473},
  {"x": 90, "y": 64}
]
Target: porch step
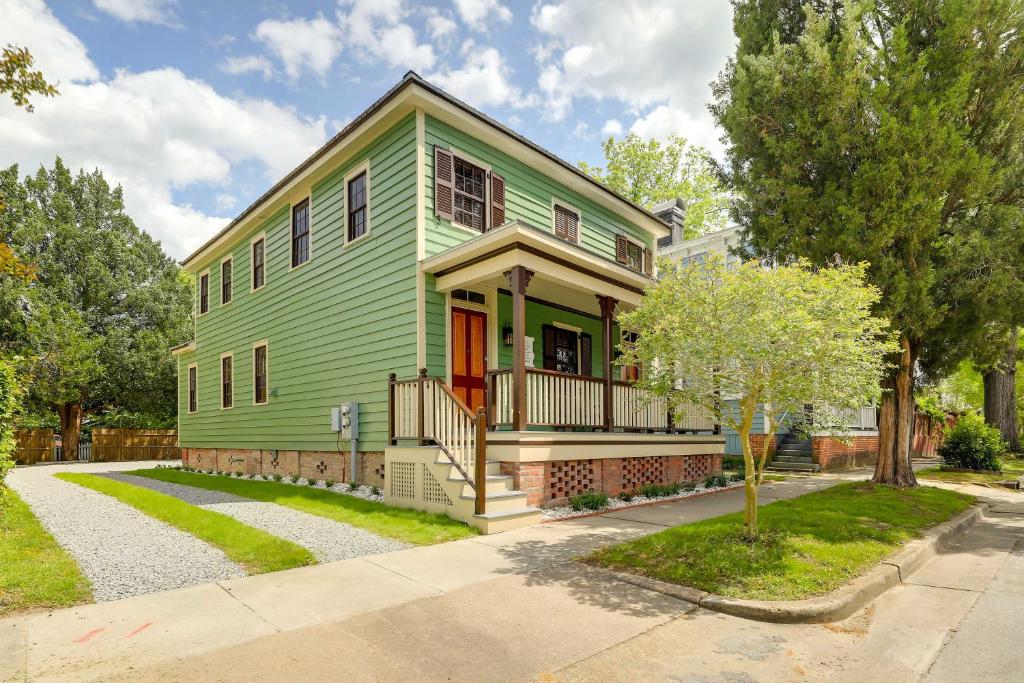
[
  {"x": 793, "y": 466},
  {"x": 794, "y": 450},
  {"x": 506, "y": 520},
  {"x": 502, "y": 502},
  {"x": 802, "y": 457}
]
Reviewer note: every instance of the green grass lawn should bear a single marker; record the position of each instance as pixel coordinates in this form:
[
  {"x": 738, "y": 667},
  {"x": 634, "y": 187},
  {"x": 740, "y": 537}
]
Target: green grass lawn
[
  {"x": 254, "y": 549},
  {"x": 1012, "y": 469},
  {"x": 808, "y": 545},
  {"x": 401, "y": 524},
  {"x": 35, "y": 572}
]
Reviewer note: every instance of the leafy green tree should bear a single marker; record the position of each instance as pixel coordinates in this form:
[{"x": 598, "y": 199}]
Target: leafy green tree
[
  {"x": 647, "y": 172},
  {"x": 770, "y": 339},
  {"x": 19, "y": 79},
  {"x": 10, "y": 392},
  {"x": 885, "y": 131},
  {"x": 106, "y": 305}
]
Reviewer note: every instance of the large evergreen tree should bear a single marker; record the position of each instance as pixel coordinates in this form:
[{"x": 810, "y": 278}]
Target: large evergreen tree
[
  {"x": 888, "y": 132},
  {"x": 106, "y": 303}
]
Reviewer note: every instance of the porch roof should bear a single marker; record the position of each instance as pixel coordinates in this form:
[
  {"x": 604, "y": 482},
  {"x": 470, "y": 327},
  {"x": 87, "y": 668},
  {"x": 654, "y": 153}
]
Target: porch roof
[{"x": 564, "y": 272}]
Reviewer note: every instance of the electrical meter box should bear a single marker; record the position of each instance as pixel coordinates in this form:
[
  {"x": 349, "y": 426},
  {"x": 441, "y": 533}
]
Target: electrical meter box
[{"x": 345, "y": 419}]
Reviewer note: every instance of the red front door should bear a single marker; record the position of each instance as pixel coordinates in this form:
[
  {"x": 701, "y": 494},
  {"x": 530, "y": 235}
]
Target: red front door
[{"x": 469, "y": 356}]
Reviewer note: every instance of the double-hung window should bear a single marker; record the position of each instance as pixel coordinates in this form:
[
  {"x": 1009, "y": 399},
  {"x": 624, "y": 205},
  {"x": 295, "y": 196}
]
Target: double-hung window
[
  {"x": 469, "y": 198},
  {"x": 225, "y": 282},
  {"x": 193, "y": 388},
  {"x": 227, "y": 394},
  {"x": 634, "y": 256},
  {"x": 258, "y": 266},
  {"x": 259, "y": 374},
  {"x": 204, "y": 293},
  {"x": 357, "y": 218},
  {"x": 300, "y": 233}
]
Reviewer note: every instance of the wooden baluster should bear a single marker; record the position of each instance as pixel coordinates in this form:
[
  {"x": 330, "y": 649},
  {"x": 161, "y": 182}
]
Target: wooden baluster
[
  {"x": 420, "y": 381},
  {"x": 391, "y": 409},
  {"x": 480, "y": 464}
]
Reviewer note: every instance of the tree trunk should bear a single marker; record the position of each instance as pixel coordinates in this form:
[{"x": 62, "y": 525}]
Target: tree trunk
[
  {"x": 747, "y": 408},
  {"x": 1001, "y": 395},
  {"x": 70, "y": 428},
  {"x": 896, "y": 422}
]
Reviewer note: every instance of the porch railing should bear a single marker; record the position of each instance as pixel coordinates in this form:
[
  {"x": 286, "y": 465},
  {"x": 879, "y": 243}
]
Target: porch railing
[
  {"x": 425, "y": 410},
  {"x": 557, "y": 399}
]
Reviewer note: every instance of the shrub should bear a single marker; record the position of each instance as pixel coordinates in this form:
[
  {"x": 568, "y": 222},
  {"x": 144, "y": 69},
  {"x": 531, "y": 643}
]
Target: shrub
[
  {"x": 311, "y": 482},
  {"x": 375, "y": 490},
  {"x": 626, "y": 496},
  {"x": 733, "y": 462},
  {"x": 9, "y": 402},
  {"x": 970, "y": 444},
  {"x": 276, "y": 477},
  {"x": 353, "y": 485},
  {"x": 715, "y": 481},
  {"x": 591, "y": 500},
  {"x": 688, "y": 486},
  {"x": 737, "y": 476},
  {"x": 329, "y": 483},
  {"x": 294, "y": 479}
]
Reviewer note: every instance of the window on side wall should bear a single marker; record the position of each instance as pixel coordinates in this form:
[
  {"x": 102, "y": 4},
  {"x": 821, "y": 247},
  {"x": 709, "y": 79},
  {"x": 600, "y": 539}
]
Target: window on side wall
[
  {"x": 629, "y": 373},
  {"x": 225, "y": 282},
  {"x": 204, "y": 293},
  {"x": 357, "y": 212},
  {"x": 469, "y": 195},
  {"x": 259, "y": 374},
  {"x": 300, "y": 233},
  {"x": 633, "y": 255},
  {"x": 567, "y": 224},
  {"x": 258, "y": 263},
  {"x": 193, "y": 388},
  {"x": 227, "y": 394}
]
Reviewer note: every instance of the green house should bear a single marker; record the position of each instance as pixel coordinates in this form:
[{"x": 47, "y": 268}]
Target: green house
[{"x": 459, "y": 284}]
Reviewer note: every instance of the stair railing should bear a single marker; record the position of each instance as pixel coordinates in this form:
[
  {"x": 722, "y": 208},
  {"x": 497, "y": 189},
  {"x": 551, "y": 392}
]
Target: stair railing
[{"x": 426, "y": 410}]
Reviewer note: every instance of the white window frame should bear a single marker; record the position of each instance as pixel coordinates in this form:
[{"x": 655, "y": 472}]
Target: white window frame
[
  {"x": 188, "y": 388},
  {"x": 199, "y": 293},
  {"x": 555, "y": 201},
  {"x": 486, "y": 168},
  {"x": 362, "y": 167},
  {"x": 630, "y": 240},
  {"x": 220, "y": 287},
  {"x": 264, "y": 343},
  {"x": 252, "y": 264},
  {"x": 220, "y": 391},
  {"x": 291, "y": 229}
]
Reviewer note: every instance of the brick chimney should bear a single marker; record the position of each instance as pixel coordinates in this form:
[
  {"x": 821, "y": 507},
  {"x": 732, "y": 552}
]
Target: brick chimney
[{"x": 672, "y": 212}]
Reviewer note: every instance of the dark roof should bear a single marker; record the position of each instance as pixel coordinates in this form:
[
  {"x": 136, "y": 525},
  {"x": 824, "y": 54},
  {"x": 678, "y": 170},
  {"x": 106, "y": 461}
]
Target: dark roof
[{"x": 410, "y": 78}]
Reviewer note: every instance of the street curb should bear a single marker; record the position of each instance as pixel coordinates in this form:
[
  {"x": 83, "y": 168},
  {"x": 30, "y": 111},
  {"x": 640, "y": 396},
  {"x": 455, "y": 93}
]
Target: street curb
[{"x": 850, "y": 598}]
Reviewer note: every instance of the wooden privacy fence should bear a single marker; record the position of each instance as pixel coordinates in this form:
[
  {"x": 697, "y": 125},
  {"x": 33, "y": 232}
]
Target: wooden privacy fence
[
  {"x": 135, "y": 444},
  {"x": 33, "y": 445}
]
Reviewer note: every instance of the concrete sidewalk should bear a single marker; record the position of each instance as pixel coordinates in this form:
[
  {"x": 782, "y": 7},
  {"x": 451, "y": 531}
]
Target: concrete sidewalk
[{"x": 97, "y": 641}]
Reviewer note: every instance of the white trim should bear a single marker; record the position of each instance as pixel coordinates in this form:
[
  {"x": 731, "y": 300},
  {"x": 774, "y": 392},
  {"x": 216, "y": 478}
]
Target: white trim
[
  {"x": 220, "y": 388},
  {"x": 199, "y": 293},
  {"x": 555, "y": 201},
  {"x": 220, "y": 288},
  {"x": 256, "y": 345},
  {"x": 252, "y": 264},
  {"x": 184, "y": 348},
  {"x": 488, "y": 308},
  {"x": 291, "y": 230},
  {"x": 421, "y": 319},
  {"x": 361, "y": 167},
  {"x": 643, "y": 248},
  {"x": 188, "y": 388},
  {"x": 421, "y": 185}
]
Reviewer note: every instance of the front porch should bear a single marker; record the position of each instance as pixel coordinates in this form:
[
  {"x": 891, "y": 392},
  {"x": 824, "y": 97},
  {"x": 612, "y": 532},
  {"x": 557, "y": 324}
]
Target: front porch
[{"x": 530, "y": 392}]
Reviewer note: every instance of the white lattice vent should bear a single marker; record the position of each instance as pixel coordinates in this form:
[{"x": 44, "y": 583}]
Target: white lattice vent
[
  {"x": 403, "y": 480},
  {"x": 432, "y": 490}
]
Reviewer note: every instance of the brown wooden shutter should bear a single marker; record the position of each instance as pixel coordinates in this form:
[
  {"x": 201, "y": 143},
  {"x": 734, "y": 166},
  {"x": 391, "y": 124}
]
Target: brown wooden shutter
[
  {"x": 586, "y": 362},
  {"x": 550, "y": 360},
  {"x": 620, "y": 249},
  {"x": 443, "y": 183},
  {"x": 648, "y": 262},
  {"x": 566, "y": 224},
  {"x": 561, "y": 229},
  {"x": 497, "y": 201}
]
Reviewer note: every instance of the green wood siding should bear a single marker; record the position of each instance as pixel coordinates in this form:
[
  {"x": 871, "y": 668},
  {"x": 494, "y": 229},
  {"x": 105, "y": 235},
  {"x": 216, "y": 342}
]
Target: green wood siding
[
  {"x": 528, "y": 196},
  {"x": 336, "y": 325}
]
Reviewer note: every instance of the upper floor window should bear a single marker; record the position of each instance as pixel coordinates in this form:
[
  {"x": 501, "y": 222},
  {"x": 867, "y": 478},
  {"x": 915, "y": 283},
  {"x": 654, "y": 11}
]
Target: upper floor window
[
  {"x": 225, "y": 282},
  {"x": 227, "y": 393},
  {"x": 357, "y": 192},
  {"x": 204, "y": 293},
  {"x": 258, "y": 272},
  {"x": 300, "y": 233},
  {"x": 567, "y": 224},
  {"x": 259, "y": 373},
  {"x": 633, "y": 255},
  {"x": 469, "y": 195},
  {"x": 193, "y": 388}
]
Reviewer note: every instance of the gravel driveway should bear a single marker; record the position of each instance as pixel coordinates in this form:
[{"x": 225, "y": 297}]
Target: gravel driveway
[
  {"x": 326, "y": 539},
  {"x": 122, "y": 551}
]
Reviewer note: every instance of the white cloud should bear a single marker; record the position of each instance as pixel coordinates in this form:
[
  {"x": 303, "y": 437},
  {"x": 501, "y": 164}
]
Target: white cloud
[
  {"x": 477, "y": 13},
  {"x": 440, "y": 26},
  {"x": 376, "y": 26},
  {"x": 154, "y": 131},
  {"x": 247, "y": 64},
  {"x": 675, "y": 48},
  {"x": 226, "y": 202},
  {"x": 484, "y": 80},
  {"x": 611, "y": 127},
  {"x": 581, "y": 130},
  {"x": 301, "y": 44},
  {"x": 146, "y": 11}
]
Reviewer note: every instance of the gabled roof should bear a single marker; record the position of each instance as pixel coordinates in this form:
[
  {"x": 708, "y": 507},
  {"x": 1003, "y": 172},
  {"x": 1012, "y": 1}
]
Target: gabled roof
[{"x": 655, "y": 225}]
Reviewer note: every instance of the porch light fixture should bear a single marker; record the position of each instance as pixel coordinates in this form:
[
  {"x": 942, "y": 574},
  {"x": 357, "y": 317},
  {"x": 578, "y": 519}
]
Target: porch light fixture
[{"x": 506, "y": 333}]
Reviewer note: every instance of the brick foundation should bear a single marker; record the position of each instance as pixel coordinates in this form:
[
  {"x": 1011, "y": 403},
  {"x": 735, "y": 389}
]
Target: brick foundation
[
  {"x": 757, "y": 443},
  {"x": 833, "y": 454},
  {"x": 553, "y": 483},
  {"x": 320, "y": 465}
]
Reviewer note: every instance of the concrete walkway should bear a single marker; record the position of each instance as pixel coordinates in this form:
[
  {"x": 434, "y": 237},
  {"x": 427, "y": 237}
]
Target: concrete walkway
[{"x": 502, "y": 607}]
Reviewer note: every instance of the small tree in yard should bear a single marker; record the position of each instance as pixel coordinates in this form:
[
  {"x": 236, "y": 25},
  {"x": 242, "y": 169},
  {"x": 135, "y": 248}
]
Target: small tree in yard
[{"x": 732, "y": 341}]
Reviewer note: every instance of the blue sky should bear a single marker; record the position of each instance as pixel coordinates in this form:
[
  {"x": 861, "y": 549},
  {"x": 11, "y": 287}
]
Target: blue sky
[{"x": 197, "y": 107}]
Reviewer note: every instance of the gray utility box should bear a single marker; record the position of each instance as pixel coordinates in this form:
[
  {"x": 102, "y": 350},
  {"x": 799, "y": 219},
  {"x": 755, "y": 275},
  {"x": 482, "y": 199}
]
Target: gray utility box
[{"x": 345, "y": 419}]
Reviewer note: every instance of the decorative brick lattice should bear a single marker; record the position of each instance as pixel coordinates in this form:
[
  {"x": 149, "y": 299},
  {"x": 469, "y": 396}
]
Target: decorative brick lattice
[
  {"x": 697, "y": 467},
  {"x": 432, "y": 491},
  {"x": 571, "y": 477},
  {"x": 274, "y": 461},
  {"x": 639, "y": 471},
  {"x": 403, "y": 480},
  {"x": 321, "y": 467}
]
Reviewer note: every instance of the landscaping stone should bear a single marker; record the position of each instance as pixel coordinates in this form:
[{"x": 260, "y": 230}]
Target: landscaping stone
[{"x": 567, "y": 512}]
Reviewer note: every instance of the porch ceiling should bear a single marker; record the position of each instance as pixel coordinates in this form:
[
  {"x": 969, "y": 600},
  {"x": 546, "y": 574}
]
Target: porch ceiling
[{"x": 563, "y": 273}]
